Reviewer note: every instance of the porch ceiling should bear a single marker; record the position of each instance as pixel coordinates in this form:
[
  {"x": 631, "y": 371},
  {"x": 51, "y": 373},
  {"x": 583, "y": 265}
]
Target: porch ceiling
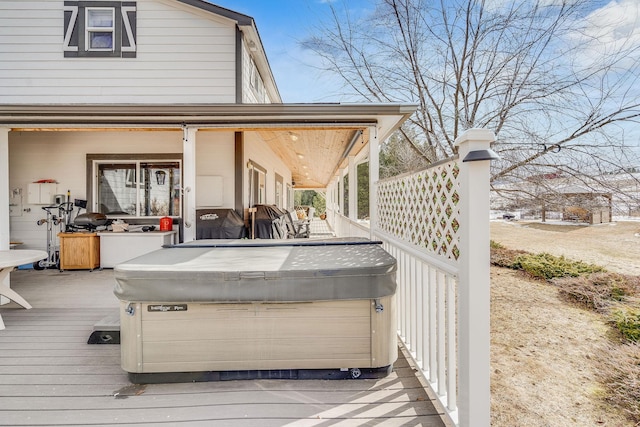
[
  {"x": 313, "y": 140},
  {"x": 314, "y": 155}
]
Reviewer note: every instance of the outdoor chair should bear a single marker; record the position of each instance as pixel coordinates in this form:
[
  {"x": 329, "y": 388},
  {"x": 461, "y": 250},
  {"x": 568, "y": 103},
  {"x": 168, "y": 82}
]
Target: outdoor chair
[{"x": 297, "y": 228}]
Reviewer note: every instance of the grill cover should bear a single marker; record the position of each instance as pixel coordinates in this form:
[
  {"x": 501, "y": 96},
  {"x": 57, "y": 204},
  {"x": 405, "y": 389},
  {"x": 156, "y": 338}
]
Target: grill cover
[
  {"x": 270, "y": 222},
  {"x": 219, "y": 224}
]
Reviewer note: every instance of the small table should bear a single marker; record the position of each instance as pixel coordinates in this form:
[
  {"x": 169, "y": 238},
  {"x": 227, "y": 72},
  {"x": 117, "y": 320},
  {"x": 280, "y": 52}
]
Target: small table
[
  {"x": 79, "y": 251},
  {"x": 8, "y": 261}
]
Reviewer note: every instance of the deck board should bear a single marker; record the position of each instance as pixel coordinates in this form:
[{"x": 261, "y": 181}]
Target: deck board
[{"x": 50, "y": 376}]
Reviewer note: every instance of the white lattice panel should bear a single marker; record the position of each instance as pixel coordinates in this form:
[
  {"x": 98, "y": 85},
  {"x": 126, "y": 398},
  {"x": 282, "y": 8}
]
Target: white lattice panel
[{"x": 422, "y": 209}]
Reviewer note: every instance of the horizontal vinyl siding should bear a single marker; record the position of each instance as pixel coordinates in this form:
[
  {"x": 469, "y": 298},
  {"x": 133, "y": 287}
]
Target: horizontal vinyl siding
[{"x": 183, "y": 56}]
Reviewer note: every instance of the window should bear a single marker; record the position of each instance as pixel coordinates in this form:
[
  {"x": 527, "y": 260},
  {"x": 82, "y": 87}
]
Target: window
[
  {"x": 99, "y": 28},
  {"x": 256, "y": 81},
  {"x": 257, "y": 184},
  {"x": 140, "y": 188}
]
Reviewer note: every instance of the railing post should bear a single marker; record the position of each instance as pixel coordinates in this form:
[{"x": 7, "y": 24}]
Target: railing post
[{"x": 474, "y": 282}]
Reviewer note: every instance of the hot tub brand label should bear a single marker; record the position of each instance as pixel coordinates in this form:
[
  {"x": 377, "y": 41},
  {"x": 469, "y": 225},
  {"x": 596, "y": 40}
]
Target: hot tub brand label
[{"x": 167, "y": 307}]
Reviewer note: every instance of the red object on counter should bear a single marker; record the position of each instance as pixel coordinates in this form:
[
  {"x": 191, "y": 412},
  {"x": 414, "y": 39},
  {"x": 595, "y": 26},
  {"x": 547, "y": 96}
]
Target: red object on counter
[{"x": 166, "y": 223}]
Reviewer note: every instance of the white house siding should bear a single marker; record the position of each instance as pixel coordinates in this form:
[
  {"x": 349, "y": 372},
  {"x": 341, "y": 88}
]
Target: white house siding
[
  {"x": 259, "y": 152},
  {"x": 62, "y": 156},
  {"x": 215, "y": 155},
  {"x": 184, "y": 55}
]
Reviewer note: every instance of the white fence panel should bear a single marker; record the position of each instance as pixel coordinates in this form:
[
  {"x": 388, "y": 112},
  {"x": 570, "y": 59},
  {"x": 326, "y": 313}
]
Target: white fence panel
[{"x": 435, "y": 223}]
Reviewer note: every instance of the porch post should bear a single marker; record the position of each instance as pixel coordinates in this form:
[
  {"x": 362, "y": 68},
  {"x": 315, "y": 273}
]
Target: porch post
[
  {"x": 4, "y": 189},
  {"x": 341, "y": 192},
  {"x": 353, "y": 189},
  {"x": 474, "y": 281},
  {"x": 4, "y": 199},
  {"x": 189, "y": 185},
  {"x": 374, "y": 176}
]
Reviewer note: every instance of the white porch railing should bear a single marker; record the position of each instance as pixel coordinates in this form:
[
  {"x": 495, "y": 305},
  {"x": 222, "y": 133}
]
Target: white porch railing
[{"x": 436, "y": 224}]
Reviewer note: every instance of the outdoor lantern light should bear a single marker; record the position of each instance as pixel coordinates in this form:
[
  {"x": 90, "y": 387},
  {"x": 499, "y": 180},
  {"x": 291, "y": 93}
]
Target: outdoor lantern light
[
  {"x": 160, "y": 176},
  {"x": 474, "y": 156}
]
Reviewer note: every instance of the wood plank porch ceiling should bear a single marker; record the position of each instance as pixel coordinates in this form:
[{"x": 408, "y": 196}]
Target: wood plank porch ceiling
[
  {"x": 313, "y": 140},
  {"x": 314, "y": 155}
]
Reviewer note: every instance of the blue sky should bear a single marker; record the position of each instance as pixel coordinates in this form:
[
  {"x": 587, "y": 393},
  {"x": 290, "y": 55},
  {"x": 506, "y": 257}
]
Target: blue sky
[{"x": 282, "y": 24}]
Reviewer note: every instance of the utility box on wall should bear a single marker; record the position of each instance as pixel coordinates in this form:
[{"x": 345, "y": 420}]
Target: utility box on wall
[{"x": 41, "y": 193}]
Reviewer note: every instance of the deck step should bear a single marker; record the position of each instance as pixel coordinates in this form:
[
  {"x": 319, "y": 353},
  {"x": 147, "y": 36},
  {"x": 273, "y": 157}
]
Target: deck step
[{"x": 106, "y": 330}]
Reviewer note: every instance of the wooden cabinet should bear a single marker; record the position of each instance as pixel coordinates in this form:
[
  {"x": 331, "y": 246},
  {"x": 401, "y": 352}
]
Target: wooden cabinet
[{"x": 79, "y": 251}]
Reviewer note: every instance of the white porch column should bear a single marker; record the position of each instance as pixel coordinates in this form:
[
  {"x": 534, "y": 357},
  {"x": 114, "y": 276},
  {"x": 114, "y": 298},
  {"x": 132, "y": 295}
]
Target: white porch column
[
  {"x": 189, "y": 184},
  {"x": 474, "y": 290},
  {"x": 4, "y": 189},
  {"x": 340, "y": 192},
  {"x": 353, "y": 189},
  {"x": 374, "y": 176},
  {"x": 4, "y": 199}
]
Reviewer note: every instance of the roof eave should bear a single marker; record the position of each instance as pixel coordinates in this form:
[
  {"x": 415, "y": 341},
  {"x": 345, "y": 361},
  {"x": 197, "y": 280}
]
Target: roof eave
[{"x": 15, "y": 115}]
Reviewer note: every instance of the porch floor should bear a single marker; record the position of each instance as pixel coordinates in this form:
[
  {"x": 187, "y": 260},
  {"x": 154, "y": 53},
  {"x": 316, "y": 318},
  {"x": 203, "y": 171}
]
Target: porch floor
[
  {"x": 320, "y": 229},
  {"x": 50, "y": 376}
]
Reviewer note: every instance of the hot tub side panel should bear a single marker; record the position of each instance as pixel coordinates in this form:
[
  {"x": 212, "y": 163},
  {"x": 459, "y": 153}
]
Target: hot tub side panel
[{"x": 196, "y": 337}]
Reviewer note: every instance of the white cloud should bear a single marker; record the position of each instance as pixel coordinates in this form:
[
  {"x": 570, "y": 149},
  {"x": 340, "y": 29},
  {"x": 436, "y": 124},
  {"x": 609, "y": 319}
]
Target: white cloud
[{"x": 611, "y": 29}]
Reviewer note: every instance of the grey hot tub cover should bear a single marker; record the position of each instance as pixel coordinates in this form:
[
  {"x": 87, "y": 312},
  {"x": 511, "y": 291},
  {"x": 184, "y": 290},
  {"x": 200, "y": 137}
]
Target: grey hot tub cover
[{"x": 256, "y": 271}]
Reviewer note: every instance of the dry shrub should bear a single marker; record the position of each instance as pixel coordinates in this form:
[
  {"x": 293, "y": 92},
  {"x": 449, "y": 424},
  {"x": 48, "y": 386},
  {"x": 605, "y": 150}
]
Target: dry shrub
[
  {"x": 621, "y": 373},
  {"x": 598, "y": 290},
  {"x": 503, "y": 257}
]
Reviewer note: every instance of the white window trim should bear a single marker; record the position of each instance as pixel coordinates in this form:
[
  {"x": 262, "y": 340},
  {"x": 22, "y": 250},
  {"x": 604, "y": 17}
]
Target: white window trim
[
  {"x": 88, "y": 30},
  {"x": 137, "y": 162}
]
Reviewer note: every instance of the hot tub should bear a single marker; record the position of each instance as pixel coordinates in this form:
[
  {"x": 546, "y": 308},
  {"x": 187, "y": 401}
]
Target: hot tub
[{"x": 289, "y": 307}]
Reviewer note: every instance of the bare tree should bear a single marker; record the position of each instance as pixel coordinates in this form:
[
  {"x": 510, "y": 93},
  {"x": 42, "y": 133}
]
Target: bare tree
[{"x": 556, "y": 82}]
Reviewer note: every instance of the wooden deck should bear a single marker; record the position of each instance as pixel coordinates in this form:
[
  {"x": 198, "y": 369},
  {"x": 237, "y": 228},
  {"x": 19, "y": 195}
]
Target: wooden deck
[{"x": 50, "y": 376}]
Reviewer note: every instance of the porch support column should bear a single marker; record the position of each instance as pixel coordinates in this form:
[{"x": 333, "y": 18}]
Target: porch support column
[
  {"x": 353, "y": 189},
  {"x": 239, "y": 173},
  {"x": 474, "y": 291},
  {"x": 341, "y": 192},
  {"x": 4, "y": 188},
  {"x": 374, "y": 176},
  {"x": 4, "y": 198},
  {"x": 189, "y": 185}
]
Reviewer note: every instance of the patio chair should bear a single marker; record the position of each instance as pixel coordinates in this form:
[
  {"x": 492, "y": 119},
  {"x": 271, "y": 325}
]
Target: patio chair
[{"x": 297, "y": 228}]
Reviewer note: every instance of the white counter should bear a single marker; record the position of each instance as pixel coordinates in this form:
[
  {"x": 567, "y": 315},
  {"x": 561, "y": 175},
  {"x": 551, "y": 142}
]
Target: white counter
[{"x": 116, "y": 248}]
